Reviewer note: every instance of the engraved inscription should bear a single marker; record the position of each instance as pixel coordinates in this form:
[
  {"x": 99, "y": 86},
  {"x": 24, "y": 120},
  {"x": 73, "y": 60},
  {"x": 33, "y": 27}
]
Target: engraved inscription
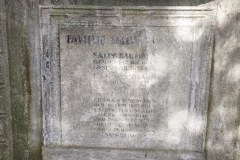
[
  {"x": 100, "y": 40},
  {"x": 122, "y": 90}
]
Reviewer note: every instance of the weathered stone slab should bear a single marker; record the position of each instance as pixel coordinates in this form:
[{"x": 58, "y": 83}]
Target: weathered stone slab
[
  {"x": 119, "y": 78},
  {"x": 120, "y": 86}
]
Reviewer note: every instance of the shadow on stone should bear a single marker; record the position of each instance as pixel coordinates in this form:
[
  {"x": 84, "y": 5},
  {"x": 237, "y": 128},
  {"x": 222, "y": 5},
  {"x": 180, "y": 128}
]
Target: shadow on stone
[{"x": 132, "y": 2}]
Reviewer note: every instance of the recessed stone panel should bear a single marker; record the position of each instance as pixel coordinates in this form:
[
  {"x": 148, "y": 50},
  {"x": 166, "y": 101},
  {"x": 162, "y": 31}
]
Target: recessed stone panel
[
  {"x": 121, "y": 86},
  {"x": 119, "y": 78}
]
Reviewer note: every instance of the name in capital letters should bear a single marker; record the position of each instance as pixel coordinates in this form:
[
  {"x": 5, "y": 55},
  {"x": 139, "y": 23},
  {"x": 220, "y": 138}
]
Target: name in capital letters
[{"x": 100, "y": 39}]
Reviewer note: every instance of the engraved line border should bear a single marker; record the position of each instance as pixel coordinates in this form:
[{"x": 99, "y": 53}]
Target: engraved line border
[{"x": 140, "y": 9}]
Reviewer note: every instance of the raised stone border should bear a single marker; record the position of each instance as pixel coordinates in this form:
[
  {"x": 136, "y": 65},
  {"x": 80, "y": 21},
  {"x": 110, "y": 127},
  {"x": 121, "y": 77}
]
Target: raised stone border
[{"x": 54, "y": 17}]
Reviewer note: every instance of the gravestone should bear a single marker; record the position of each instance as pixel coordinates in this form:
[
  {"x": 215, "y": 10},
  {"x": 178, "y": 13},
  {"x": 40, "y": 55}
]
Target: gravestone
[{"x": 126, "y": 82}]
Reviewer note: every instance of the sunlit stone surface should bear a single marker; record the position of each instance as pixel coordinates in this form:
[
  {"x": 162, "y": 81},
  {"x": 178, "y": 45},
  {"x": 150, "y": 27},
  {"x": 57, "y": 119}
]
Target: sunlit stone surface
[
  {"x": 128, "y": 83},
  {"x": 122, "y": 86},
  {"x": 41, "y": 118}
]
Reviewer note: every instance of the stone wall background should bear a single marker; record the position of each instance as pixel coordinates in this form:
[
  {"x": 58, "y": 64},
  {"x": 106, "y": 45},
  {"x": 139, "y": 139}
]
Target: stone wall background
[
  {"x": 223, "y": 135},
  {"x": 18, "y": 57},
  {"x": 5, "y": 113},
  {"x": 20, "y": 53}
]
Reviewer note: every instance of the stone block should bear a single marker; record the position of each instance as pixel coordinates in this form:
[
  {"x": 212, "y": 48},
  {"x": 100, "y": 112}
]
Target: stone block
[{"x": 119, "y": 78}]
